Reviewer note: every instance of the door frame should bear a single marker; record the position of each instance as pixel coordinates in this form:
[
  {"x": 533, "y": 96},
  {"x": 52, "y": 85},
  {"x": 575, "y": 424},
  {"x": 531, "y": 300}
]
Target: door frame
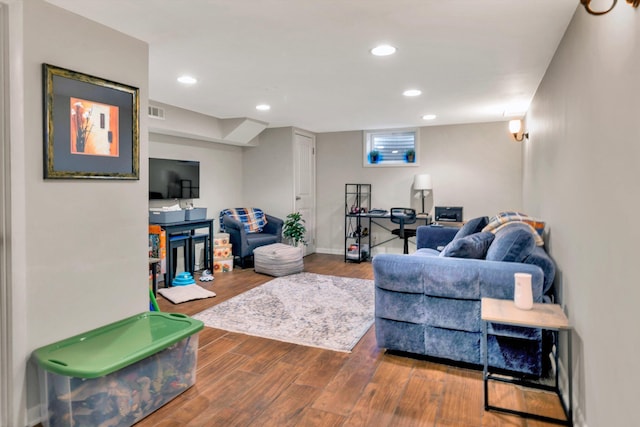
[
  {"x": 5, "y": 291},
  {"x": 312, "y": 231},
  {"x": 14, "y": 353}
]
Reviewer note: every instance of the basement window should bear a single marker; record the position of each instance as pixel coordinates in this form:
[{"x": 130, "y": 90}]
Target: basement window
[{"x": 394, "y": 147}]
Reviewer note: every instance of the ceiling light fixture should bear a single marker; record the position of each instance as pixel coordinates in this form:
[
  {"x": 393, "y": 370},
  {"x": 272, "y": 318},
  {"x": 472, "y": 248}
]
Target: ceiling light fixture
[
  {"x": 429, "y": 117},
  {"x": 587, "y": 6},
  {"x": 263, "y": 107},
  {"x": 412, "y": 92},
  {"x": 187, "y": 80},
  {"x": 383, "y": 50}
]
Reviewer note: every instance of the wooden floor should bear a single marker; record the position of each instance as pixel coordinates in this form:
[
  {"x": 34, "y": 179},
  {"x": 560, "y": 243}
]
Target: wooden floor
[{"x": 250, "y": 381}]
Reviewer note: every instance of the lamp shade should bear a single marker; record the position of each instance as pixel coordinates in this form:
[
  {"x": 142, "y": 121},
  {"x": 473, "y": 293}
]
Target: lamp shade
[
  {"x": 422, "y": 182},
  {"x": 515, "y": 125}
]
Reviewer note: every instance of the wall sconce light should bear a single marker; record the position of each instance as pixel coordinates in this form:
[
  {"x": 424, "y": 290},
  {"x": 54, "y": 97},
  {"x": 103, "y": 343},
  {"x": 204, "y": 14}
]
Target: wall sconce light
[
  {"x": 515, "y": 127},
  {"x": 586, "y": 4},
  {"x": 422, "y": 183}
]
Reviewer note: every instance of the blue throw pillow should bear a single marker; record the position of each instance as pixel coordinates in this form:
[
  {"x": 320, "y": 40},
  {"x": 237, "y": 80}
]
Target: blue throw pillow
[
  {"x": 472, "y": 226},
  {"x": 473, "y": 246},
  {"x": 513, "y": 243}
]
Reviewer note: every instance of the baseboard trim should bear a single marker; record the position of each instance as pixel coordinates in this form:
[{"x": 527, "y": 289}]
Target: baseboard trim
[
  {"x": 34, "y": 416},
  {"x": 578, "y": 414},
  {"x": 329, "y": 251}
]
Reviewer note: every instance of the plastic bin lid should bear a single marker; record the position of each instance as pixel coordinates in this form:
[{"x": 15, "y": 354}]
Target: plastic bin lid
[{"x": 112, "y": 347}]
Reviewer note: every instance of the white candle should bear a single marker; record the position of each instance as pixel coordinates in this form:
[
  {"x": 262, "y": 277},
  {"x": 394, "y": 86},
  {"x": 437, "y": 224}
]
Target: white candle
[{"x": 522, "y": 293}]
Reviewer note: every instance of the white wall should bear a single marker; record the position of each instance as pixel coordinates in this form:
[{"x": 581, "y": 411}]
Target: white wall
[
  {"x": 477, "y": 166},
  {"x": 82, "y": 243},
  {"x": 581, "y": 175}
]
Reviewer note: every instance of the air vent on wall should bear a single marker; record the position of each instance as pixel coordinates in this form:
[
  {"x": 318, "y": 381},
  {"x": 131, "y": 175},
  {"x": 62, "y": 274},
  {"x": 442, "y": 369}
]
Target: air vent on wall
[{"x": 156, "y": 112}]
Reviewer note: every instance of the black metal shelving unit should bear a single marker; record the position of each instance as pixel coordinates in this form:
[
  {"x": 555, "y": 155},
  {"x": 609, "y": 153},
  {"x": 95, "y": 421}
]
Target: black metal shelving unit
[{"x": 357, "y": 227}]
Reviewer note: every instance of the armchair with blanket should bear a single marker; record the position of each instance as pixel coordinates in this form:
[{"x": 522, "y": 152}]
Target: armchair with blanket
[
  {"x": 248, "y": 229},
  {"x": 428, "y": 303}
]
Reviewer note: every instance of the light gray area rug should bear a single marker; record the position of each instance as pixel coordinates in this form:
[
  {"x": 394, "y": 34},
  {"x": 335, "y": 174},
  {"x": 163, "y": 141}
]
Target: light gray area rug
[{"x": 309, "y": 309}]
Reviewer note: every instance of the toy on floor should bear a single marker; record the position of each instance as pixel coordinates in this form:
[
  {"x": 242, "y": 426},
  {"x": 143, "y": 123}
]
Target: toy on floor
[
  {"x": 183, "y": 279},
  {"x": 153, "y": 303},
  {"x": 206, "y": 276}
]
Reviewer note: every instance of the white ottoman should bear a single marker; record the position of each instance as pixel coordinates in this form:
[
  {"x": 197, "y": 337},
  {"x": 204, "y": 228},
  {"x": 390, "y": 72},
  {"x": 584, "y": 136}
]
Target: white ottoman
[{"x": 278, "y": 260}]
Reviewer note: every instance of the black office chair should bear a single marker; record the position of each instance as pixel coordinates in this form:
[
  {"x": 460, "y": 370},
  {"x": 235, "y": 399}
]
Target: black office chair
[{"x": 404, "y": 216}]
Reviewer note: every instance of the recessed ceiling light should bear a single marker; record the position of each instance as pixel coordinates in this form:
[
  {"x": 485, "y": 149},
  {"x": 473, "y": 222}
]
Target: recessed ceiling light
[
  {"x": 187, "y": 80},
  {"x": 428, "y": 117},
  {"x": 383, "y": 50},
  {"x": 412, "y": 92},
  {"x": 263, "y": 107}
]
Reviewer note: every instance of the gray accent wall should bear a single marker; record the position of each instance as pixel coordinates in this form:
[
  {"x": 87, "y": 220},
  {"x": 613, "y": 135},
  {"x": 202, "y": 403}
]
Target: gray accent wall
[
  {"x": 477, "y": 166},
  {"x": 220, "y": 180},
  {"x": 581, "y": 174},
  {"x": 268, "y": 173}
]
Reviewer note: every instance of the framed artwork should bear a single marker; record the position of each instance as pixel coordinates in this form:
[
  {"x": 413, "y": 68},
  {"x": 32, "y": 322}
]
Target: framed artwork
[{"x": 91, "y": 127}]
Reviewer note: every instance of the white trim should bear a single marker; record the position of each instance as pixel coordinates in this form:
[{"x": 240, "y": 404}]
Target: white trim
[
  {"x": 35, "y": 415},
  {"x": 330, "y": 251},
  {"x": 563, "y": 382},
  {"x": 313, "y": 227},
  {"x": 5, "y": 329},
  {"x": 14, "y": 288}
]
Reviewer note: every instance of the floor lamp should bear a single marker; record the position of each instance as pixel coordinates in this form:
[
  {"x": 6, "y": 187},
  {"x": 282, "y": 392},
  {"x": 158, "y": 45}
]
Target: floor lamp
[{"x": 422, "y": 183}]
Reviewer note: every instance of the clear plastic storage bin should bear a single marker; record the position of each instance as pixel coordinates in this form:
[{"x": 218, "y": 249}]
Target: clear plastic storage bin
[{"x": 120, "y": 373}]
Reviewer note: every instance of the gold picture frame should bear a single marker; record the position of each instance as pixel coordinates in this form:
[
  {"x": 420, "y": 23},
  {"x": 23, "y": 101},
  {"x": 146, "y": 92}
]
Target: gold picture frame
[{"x": 91, "y": 127}]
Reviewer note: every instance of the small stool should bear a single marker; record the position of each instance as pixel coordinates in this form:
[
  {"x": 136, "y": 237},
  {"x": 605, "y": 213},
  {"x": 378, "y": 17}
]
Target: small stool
[
  {"x": 278, "y": 259},
  {"x": 200, "y": 238},
  {"x": 177, "y": 241}
]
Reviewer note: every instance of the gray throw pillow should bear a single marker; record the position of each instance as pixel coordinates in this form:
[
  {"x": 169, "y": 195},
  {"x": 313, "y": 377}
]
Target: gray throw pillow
[{"x": 473, "y": 246}]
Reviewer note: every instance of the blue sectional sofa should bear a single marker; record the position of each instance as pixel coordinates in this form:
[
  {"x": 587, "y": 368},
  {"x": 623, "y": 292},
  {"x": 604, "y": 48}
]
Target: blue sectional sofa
[{"x": 428, "y": 302}]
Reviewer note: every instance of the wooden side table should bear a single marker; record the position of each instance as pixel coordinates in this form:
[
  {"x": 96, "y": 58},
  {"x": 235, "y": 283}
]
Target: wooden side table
[{"x": 542, "y": 316}]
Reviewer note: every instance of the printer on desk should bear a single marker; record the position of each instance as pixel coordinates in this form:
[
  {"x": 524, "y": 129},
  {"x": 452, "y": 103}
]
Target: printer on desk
[{"x": 449, "y": 213}]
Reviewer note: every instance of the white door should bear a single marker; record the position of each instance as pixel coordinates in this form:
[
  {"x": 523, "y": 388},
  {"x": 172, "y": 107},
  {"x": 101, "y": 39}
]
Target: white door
[{"x": 304, "y": 155}]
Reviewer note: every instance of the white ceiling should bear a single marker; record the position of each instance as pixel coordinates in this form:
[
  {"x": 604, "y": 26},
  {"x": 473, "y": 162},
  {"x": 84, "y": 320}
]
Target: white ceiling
[{"x": 310, "y": 60}]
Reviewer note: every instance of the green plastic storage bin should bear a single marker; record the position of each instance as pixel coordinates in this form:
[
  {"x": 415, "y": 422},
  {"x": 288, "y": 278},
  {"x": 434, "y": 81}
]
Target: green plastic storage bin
[{"x": 119, "y": 373}]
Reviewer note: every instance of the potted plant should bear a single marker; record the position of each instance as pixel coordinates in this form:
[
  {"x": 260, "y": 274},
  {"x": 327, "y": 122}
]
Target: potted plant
[
  {"x": 374, "y": 156},
  {"x": 294, "y": 229},
  {"x": 410, "y": 155}
]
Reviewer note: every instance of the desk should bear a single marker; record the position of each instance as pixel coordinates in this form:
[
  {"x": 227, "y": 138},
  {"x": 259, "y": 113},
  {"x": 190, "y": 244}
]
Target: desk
[
  {"x": 371, "y": 219},
  {"x": 543, "y": 316},
  {"x": 191, "y": 227},
  {"x": 457, "y": 224},
  {"x": 419, "y": 218}
]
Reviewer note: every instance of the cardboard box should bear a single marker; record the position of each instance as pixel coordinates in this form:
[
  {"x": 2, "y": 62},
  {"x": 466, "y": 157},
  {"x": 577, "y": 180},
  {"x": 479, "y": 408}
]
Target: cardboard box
[
  {"x": 158, "y": 244},
  {"x": 221, "y": 239},
  {"x": 222, "y": 265},
  {"x": 222, "y": 251},
  {"x": 120, "y": 373}
]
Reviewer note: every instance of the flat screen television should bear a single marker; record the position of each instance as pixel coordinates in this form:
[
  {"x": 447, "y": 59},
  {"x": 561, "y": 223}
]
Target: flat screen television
[{"x": 174, "y": 179}]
